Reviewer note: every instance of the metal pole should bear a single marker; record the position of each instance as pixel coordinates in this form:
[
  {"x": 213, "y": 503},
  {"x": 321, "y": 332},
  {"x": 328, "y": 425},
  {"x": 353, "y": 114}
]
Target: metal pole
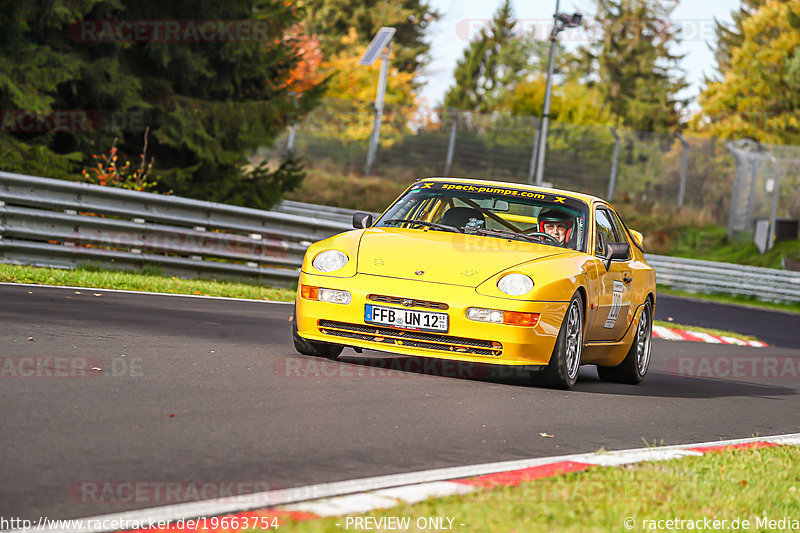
[
  {"x": 534, "y": 153},
  {"x": 735, "y": 194},
  {"x": 452, "y": 144},
  {"x": 376, "y": 127},
  {"x": 547, "y": 93},
  {"x": 292, "y": 127},
  {"x": 775, "y": 194},
  {"x": 290, "y": 144},
  {"x": 753, "y": 176},
  {"x": 614, "y": 162},
  {"x": 684, "y": 165}
]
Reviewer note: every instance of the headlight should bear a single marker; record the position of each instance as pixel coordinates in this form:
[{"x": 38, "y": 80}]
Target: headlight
[
  {"x": 330, "y": 261},
  {"x": 515, "y": 284}
]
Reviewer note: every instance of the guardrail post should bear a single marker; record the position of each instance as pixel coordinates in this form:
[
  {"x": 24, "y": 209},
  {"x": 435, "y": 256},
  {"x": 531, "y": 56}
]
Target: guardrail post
[
  {"x": 614, "y": 163},
  {"x": 451, "y": 145}
]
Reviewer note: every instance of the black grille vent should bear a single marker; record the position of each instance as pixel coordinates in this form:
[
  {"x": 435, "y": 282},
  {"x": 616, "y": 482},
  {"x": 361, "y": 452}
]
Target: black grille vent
[
  {"x": 416, "y": 339},
  {"x": 396, "y": 300}
]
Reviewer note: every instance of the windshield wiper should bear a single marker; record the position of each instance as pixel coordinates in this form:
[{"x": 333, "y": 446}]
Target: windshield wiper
[
  {"x": 433, "y": 225},
  {"x": 506, "y": 233}
]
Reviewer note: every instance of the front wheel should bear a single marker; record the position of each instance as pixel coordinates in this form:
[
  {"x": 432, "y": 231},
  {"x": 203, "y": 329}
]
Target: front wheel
[
  {"x": 633, "y": 368},
  {"x": 562, "y": 371},
  {"x": 316, "y": 349}
]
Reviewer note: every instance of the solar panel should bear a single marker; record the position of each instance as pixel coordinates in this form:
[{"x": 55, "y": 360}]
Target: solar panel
[{"x": 379, "y": 42}]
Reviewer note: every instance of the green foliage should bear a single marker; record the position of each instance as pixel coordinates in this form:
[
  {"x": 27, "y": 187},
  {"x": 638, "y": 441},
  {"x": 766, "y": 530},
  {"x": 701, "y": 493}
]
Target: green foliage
[
  {"x": 759, "y": 96},
  {"x": 491, "y": 65},
  {"x": 571, "y": 102},
  {"x": 730, "y": 36},
  {"x": 632, "y": 64},
  {"x": 332, "y": 19},
  {"x": 109, "y": 170},
  {"x": 36, "y": 159},
  {"x": 206, "y": 102}
]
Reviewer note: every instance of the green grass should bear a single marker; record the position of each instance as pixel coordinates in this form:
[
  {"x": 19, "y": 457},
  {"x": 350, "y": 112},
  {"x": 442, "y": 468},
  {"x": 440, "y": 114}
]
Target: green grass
[
  {"x": 94, "y": 277},
  {"x": 732, "y": 299},
  {"x": 743, "y": 484},
  {"x": 710, "y": 331},
  {"x": 711, "y": 243}
]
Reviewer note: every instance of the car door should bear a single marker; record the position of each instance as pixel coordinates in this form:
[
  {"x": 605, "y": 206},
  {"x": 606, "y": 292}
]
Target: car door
[{"x": 614, "y": 294}]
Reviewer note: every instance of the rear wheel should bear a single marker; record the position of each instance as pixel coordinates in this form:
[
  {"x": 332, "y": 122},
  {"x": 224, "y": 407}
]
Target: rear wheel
[
  {"x": 633, "y": 368},
  {"x": 313, "y": 348},
  {"x": 562, "y": 371}
]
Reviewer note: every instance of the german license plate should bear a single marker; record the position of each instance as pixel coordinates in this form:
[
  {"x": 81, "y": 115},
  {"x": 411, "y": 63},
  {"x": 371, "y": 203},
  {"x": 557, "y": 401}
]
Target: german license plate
[{"x": 405, "y": 318}]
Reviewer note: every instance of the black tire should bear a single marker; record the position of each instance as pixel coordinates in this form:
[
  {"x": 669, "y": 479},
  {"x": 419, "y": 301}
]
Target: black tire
[
  {"x": 315, "y": 349},
  {"x": 562, "y": 371},
  {"x": 633, "y": 368}
]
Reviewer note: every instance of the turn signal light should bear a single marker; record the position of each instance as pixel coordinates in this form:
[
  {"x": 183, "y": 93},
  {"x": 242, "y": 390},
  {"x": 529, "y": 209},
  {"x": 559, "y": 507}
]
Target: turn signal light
[
  {"x": 511, "y": 318},
  {"x": 325, "y": 295},
  {"x": 520, "y": 319},
  {"x": 309, "y": 293}
]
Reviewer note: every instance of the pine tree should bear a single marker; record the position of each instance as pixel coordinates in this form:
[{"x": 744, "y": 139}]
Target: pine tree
[
  {"x": 491, "y": 65},
  {"x": 206, "y": 102},
  {"x": 730, "y": 36},
  {"x": 759, "y": 97},
  {"x": 632, "y": 64}
]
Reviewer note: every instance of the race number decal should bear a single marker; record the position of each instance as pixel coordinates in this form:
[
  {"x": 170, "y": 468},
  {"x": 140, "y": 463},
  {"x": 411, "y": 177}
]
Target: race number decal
[{"x": 616, "y": 305}]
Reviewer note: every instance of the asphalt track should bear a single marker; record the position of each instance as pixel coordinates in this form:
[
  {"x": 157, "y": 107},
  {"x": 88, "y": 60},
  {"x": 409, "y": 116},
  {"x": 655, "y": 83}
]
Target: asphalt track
[{"x": 211, "y": 391}]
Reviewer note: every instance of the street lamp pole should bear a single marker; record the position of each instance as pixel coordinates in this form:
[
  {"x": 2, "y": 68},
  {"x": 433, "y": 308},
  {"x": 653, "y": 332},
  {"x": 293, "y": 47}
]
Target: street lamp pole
[{"x": 560, "y": 21}]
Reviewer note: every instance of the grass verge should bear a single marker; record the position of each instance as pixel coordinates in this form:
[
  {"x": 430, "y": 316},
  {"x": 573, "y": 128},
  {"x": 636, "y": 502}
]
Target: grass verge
[
  {"x": 743, "y": 484},
  {"x": 134, "y": 281}
]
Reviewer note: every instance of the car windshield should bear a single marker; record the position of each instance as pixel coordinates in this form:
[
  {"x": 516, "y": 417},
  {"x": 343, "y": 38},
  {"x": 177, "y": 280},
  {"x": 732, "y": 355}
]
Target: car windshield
[{"x": 491, "y": 212}]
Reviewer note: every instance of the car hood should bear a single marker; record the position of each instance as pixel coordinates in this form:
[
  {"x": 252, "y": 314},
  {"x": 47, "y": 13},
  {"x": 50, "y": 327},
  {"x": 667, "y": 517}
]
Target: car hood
[{"x": 443, "y": 257}]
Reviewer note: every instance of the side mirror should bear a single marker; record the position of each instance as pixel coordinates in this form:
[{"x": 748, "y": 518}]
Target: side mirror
[
  {"x": 362, "y": 220},
  {"x": 616, "y": 250},
  {"x": 637, "y": 237}
]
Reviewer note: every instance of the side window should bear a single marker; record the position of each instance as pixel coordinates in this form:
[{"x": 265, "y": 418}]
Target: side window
[
  {"x": 622, "y": 235},
  {"x": 604, "y": 232}
]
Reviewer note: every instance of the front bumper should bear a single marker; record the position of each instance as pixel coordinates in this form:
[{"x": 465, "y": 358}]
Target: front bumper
[{"x": 465, "y": 340}]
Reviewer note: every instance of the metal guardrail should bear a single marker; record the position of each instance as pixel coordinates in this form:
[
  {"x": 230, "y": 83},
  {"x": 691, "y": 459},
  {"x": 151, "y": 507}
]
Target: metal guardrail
[
  {"x": 695, "y": 275},
  {"x": 58, "y": 223}
]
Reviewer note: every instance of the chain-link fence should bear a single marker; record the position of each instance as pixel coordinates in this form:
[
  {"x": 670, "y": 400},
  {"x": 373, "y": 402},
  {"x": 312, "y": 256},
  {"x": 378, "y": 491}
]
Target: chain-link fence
[
  {"x": 663, "y": 168},
  {"x": 766, "y": 192}
]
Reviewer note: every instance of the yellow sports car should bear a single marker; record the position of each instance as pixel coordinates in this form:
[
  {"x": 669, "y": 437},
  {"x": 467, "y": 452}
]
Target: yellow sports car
[{"x": 487, "y": 272}]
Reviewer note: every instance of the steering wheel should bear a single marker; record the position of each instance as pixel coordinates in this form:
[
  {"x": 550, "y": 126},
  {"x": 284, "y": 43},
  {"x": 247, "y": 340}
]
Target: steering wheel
[{"x": 547, "y": 236}]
